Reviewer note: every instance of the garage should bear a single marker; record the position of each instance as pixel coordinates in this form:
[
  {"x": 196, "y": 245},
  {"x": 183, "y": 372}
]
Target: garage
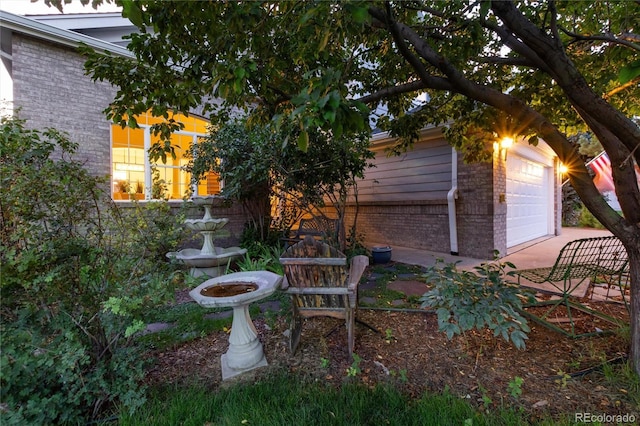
[{"x": 529, "y": 195}]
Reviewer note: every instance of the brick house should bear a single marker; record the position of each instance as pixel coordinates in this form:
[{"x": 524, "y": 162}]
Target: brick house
[
  {"x": 44, "y": 83},
  {"x": 427, "y": 198}
]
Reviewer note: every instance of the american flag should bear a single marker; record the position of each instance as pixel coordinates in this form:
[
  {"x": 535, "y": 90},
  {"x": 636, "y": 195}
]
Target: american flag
[{"x": 601, "y": 166}]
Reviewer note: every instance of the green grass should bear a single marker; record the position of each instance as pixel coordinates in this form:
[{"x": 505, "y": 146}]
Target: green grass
[
  {"x": 284, "y": 399},
  {"x": 623, "y": 377}
]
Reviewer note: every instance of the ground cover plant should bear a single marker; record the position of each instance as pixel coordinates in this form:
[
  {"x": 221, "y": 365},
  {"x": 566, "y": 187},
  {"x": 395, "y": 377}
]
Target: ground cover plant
[{"x": 378, "y": 292}]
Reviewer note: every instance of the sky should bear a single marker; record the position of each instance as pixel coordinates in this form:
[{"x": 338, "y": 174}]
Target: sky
[{"x": 27, "y": 7}]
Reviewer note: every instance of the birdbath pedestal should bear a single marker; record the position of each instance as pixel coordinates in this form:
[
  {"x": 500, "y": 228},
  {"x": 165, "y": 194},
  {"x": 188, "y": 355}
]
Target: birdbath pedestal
[{"x": 238, "y": 291}]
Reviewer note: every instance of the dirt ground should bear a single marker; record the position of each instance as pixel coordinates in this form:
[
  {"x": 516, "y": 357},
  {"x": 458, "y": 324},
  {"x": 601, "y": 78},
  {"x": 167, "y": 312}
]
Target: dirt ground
[{"x": 408, "y": 351}]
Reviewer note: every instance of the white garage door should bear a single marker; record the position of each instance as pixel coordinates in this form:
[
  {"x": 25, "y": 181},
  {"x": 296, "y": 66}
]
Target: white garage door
[{"x": 528, "y": 200}]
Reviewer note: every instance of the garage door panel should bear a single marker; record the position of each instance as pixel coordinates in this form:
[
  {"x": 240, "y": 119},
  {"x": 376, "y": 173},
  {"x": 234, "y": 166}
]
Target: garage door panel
[{"x": 527, "y": 200}]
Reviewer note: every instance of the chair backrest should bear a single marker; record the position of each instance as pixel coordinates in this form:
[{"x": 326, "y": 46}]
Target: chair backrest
[
  {"x": 317, "y": 226},
  {"x": 319, "y": 270},
  {"x": 587, "y": 257}
]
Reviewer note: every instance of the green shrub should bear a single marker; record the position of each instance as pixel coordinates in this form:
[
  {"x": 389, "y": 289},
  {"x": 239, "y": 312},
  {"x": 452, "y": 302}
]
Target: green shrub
[
  {"x": 77, "y": 276},
  {"x": 465, "y": 300},
  {"x": 586, "y": 219},
  {"x": 152, "y": 228},
  {"x": 261, "y": 257}
]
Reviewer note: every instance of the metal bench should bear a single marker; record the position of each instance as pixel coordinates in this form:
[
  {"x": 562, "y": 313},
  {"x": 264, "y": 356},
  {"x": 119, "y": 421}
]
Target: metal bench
[{"x": 602, "y": 258}]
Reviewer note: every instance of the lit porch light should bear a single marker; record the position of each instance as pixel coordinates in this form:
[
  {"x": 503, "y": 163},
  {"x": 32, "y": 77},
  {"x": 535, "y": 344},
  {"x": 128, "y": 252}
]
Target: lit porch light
[{"x": 505, "y": 143}]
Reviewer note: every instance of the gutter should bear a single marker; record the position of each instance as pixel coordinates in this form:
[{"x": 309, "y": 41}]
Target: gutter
[{"x": 452, "y": 195}]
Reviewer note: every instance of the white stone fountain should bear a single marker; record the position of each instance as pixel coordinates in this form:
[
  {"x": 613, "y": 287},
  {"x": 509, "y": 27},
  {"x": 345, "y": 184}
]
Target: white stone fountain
[
  {"x": 238, "y": 291},
  {"x": 210, "y": 260}
]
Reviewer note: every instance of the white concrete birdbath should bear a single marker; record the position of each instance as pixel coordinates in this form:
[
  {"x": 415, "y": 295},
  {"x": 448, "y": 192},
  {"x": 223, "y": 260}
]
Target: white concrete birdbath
[{"x": 238, "y": 291}]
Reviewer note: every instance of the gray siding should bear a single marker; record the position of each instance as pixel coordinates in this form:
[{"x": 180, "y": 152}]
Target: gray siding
[{"x": 423, "y": 173}]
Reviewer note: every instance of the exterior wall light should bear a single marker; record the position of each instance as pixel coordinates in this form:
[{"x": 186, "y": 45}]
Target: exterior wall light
[
  {"x": 504, "y": 144},
  {"x": 563, "y": 169}
]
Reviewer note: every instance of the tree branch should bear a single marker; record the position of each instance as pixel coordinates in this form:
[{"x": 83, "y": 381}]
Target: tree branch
[
  {"x": 566, "y": 75},
  {"x": 517, "y": 62},
  {"x": 516, "y": 45},
  {"x": 621, "y": 88},
  {"x": 630, "y": 40},
  {"x": 391, "y": 25},
  {"x": 405, "y": 88}
]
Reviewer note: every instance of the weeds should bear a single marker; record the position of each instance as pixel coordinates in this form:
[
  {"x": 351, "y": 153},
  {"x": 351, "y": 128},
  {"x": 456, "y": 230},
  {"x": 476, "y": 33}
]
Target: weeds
[
  {"x": 515, "y": 387},
  {"x": 354, "y": 369}
]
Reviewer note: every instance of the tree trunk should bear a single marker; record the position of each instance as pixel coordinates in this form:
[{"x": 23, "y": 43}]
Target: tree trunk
[{"x": 634, "y": 269}]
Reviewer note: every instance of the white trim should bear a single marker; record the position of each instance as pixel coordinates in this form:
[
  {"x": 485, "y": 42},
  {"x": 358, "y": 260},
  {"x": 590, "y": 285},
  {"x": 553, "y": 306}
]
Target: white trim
[
  {"x": 27, "y": 26},
  {"x": 452, "y": 195},
  {"x": 540, "y": 154},
  {"x": 148, "y": 178}
]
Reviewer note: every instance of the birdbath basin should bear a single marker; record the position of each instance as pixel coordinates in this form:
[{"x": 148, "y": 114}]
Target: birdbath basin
[
  {"x": 238, "y": 291},
  {"x": 228, "y": 289}
]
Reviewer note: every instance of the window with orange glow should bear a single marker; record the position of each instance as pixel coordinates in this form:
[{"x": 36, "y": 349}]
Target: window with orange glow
[{"x": 135, "y": 177}]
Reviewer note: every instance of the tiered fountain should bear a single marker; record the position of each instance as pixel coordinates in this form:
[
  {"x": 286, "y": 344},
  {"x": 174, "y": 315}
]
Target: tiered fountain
[{"x": 209, "y": 260}]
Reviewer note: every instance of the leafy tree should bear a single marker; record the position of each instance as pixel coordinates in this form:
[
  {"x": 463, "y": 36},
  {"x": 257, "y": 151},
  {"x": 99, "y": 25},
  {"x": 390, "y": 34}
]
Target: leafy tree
[
  {"x": 246, "y": 170},
  {"x": 540, "y": 69},
  {"x": 257, "y": 167},
  {"x": 325, "y": 172}
]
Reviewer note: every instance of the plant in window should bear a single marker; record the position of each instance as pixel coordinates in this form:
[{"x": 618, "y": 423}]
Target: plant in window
[{"x": 124, "y": 186}]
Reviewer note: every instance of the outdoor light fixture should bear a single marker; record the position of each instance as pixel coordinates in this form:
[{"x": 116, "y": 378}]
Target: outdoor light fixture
[
  {"x": 563, "y": 169},
  {"x": 504, "y": 144}
]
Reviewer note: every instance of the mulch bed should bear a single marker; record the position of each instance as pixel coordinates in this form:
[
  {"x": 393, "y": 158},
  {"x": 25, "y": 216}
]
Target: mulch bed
[{"x": 560, "y": 375}]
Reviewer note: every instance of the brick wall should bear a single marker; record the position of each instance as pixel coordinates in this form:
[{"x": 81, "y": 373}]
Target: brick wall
[
  {"x": 421, "y": 225},
  {"x": 481, "y": 220},
  {"x": 476, "y": 210},
  {"x": 51, "y": 90},
  {"x": 221, "y": 209}
]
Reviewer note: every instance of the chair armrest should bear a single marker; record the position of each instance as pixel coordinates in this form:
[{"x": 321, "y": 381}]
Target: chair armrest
[
  {"x": 285, "y": 283},
  {"x": 358, "y": 265},
  {"x": 319, "y": 290}
]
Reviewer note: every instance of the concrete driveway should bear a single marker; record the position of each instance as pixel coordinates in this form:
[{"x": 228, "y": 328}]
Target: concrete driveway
[{"x": 534, "y": 254}]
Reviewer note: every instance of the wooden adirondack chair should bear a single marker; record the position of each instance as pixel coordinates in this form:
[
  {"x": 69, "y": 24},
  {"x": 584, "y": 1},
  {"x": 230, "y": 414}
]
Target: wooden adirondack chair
[{"x": 321, "y": 284}]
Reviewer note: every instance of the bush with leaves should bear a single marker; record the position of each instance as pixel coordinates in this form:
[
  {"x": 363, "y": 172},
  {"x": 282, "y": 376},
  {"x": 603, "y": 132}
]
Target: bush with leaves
[
  {"x": 75, "y": 284},
  {"x": 257, "y": 166},
  {"x": 465, "y": 300}
]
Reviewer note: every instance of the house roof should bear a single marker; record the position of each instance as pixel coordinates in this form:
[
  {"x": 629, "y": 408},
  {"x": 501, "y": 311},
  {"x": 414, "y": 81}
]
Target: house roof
[{"x": 43, "y": 31}]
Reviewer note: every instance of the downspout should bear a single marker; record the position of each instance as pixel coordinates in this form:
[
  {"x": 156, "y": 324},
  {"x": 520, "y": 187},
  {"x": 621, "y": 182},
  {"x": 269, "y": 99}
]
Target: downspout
[{"x": 452, "y": 195}]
